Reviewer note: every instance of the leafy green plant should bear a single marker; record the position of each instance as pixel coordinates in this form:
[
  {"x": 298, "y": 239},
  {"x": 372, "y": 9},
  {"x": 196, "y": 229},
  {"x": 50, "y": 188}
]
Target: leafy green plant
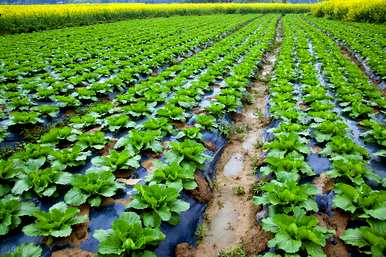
[
  {"x": 285, "y": 194},
  {"x": 206, "y": 121},
  {"x": 83, "y": 93},
  {"x": 295, "y": 233},
  {"x": 190, "y": 133},
  {"x": 362, "y": 201},
  {"x": 19, "y": 102},
  {"x": 69, "y": 157},
  {"x": 24, "y": 118},
  {"x": 230, "y": 102},
  {"x": 138, "y": 140},
  {"x": 56, "y": 135},
  {"x": 25, "y": 250},
  {"x": 353, "y": 169},
  {"x": 127, "y": 159},
  {"x": 187, "y": 151},
  {"x": 139, "y": 109},
  {"x": 3, "y": 133},
  {"x": 327, "y": 129},
  {"x": 289, "y": 127},
  {"x": 9, "y": 169},
  {"x": 215, "y": 109},
  {"x": 318, "y": 106},
  {"x": 358, "y": 109},
  {"x": 57, "y": 222},
  {"x": 85, "y": 121},
  {"x": 172, "y": 112},
  {"x": 293, "y": 163},
  {"x": 32, "y": 151},
  {"x": 50, "y": 110},
  {"x": 376, "y": 132},
  {"x": 183, "y": 101},
  {"x": 370, "y": 239},
  {"x": 102, "y": 108},
  {"x": 287, "y": 144},
  {"x": 158, "y": 203},
  {"x": 128, "y": 237},
  {"x": 11, "y": 209},
  {"x": 118, "y": 121},
  {"x": 162, "y": 124},
  {"x": 42, "y": 181},
  {"x": 323, "y": 116},
  {"x": 91, "y": 187},
  {"x": 179, "y": 175},
  {"x": 342, "y": 145},
  {"x": 66, "y": 101},
  {"x": 96, "y": 140}
]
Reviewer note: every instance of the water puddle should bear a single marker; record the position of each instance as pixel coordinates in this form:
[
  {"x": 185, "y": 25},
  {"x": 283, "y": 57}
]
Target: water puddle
[
  {"x": 234, "y": 166},
  {"x": 221, "y": 225},
  {"x": 250, "y": 141}
]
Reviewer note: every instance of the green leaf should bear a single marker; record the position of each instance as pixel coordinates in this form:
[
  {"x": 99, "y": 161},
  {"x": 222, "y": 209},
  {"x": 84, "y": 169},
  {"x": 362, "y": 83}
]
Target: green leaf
[
  {"x": 269, "y": 225},
  {"x": 31, "y": 230},
  {"x": 343, "y": 203},
  {"x": 111, "y": 244},
  {"x": 164, "y": 213},
  {"x": 137, "y": 204},
  {"x": 75, "y": 197},
  {"x": 25, "y": 250},
  {"x": 378, "y": 213},
  {"x": 314, "y": 250},
  {"x": 285, "y": 242},
  {"x": 21, "y": 186},
  {"x": 353, "y": 237},
  {"x": 151, "y": 219},
  {"x": 95, "y": 201},
  {"x": 127, "y": 237},
  {"x": 179, "y": 206},
  {"x": 64, "y": 178},
  {"x": 63, "y": 232}
]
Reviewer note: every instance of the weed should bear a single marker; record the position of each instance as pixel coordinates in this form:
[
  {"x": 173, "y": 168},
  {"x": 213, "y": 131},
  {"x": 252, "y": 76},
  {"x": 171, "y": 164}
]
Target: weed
[
  {"x": 239, "y": 190},
  {"x": 260, "y": 115},
  {"x": 200, "y": 232},
  {"x": 234, "y": 252}
]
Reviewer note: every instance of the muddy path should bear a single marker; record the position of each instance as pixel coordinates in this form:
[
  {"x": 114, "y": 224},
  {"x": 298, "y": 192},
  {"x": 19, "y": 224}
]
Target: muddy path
[{"x": 230, "y": 219}]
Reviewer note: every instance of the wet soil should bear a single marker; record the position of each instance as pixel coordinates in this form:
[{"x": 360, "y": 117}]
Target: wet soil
[
  {"x": 72, "y": 252},
  {"x": 324, "y": 183},
  {"x": 338, "y": 222},
  {"x": 203, "y": 192},
  {"x": 230, "y": 218}
]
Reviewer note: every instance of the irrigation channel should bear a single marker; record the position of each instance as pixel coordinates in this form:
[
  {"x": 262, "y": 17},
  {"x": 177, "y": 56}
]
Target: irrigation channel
[{"x": 230, "y": 219}]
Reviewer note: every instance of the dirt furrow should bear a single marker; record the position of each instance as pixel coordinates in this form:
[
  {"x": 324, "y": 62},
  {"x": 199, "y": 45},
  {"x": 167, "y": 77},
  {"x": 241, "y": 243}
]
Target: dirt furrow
[{"x": 230, "y": 219}]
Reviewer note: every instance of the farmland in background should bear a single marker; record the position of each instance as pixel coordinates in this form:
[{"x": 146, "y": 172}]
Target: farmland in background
[{"x": 27, "y": 18}]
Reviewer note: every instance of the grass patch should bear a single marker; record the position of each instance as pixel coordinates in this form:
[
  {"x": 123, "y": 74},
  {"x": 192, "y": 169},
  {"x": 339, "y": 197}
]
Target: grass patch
[{"x": 234, "y": 252}]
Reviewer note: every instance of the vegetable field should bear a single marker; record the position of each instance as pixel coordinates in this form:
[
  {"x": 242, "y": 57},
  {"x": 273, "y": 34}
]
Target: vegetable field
[{"x": 216, "y": 135}]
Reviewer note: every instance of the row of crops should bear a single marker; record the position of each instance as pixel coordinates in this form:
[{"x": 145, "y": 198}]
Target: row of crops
[
  {"x": 110, "y": 114},
  {"x": 323, "y": 179},
  {"x": 367, "y": 42},
  {"x": 106, "y": 130},
  {"x": 41, "y": 89}
]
